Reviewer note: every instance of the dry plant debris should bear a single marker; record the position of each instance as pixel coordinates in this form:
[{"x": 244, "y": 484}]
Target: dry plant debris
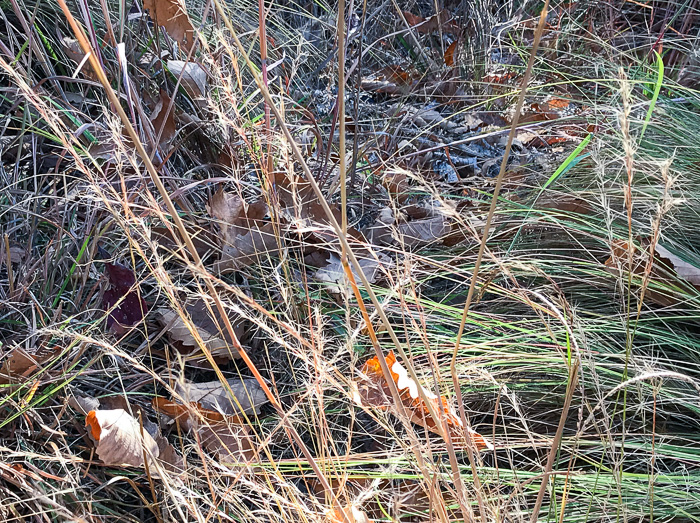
[{"x": 374, "y": 390}]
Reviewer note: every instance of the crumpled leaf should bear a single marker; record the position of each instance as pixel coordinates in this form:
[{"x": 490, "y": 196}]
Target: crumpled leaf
[
  {"x": 374, "y": 390},
  {"x": 211, "y": 329},
  {"x": 247, "y": 237},
  {"x": 686, "y": 271},
  {"x": 132, "y": 307},
  {"x": 118, "y": 438},
  {"x": 172, "y": 15},
  {"x": 224, "y": 436},
  {"x": 249, "y": 396},
  {"x": 159, "y": 116},
  {"x": 194, "y": 77},
  {"x": 334, "y": 274}
]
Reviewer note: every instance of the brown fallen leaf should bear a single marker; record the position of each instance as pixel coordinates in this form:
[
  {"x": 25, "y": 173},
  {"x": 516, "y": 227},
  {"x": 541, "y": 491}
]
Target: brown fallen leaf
[
  {"x": 246, "y": 236},
  {"x": 334, "y": 274},
  {"x": 225, "y": 436},
  {"x": 374, "y": 390},
  {"x": 419, "y": 233},
  {"x": 159, "y": 119},
  {"x": 20, "y": 365},
  {"x": 172, "y": 15},
  {"x": 212, "y": 395},
  {"x": 210, "y": 328},
  {"x": 122, "y": 299},
  {"x": 118, "y": 438},
  {"x": 73, "y": 51},
  {"x": 194, "y": 77}
]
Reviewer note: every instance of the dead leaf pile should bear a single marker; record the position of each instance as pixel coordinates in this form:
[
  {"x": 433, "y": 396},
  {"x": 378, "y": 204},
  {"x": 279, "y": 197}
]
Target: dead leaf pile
[{"x": 374, "y": 391}]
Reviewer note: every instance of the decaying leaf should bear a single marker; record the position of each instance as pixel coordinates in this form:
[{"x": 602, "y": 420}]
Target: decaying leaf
[
  {"x": 73, "y": 51},
  {"x": 194, "y": 78},
  {"x": 172, "y": 15},
  {"x": 246, "y": 236},
  {"x": 666, "y": 268},
  {"x": 119, "y": 439},
  {"x": 684, "y": 270},
  {"x": 212, "y": 395},
  {"x": 211, "y": 329},
  {"x": 160, "y": 118},
  {"x": 374, "y": 390},
  {"x": 123, "y": 298},
  {"x": 225, "y": 436},
  {"x": 334, "y": 274},
  {"x": 20, "y": 365},
  {"x": 419, "y": 233}
]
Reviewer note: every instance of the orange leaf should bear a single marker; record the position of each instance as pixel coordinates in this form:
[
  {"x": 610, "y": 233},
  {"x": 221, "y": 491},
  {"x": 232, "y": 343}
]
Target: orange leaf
[
  {"x": 376, "y": 390},
  {"x": 450, "y": 54}
]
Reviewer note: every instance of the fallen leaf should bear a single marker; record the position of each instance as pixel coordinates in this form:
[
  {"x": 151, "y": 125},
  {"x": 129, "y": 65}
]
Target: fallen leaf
[
  {"x": 346, "y": 514},
  {"x": 248, "y": 395},
  {"x": 683, "y": 269},
  {"x": 73, "y": 51},
  {"x": 123, "y": 299},
  {"x": 119, "y": 439},
  {"x": 172, "y": 15},
  {"x": 246, "y": 236},
  {"x": 667, "y": 268},
  {"x": 160, "y": 119},
  {"x": 224, "y": 436},
  {"x": 334, "y": 274},
  {"x": 441, "y": 20},
  {"x": 419, "y": 233},
  {"x": 450, "y": 54},
  {"x": 194, "y": 77},
  {"x": 20, "y": 365},
  {"x": 211, "y": 329},
  {"x": 374, "y": 390}
]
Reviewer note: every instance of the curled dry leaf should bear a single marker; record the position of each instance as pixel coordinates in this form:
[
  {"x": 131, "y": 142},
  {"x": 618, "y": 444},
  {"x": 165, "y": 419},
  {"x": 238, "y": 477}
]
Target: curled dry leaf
[
  {"x": 374, "y": 390},
  {"x": 123, "y": 294},
  {"x": 225, "y": 436},
  {"x": 194, "y": 77},
  {"x": 172, "y": 15},
  {"x": 248, "y": 395},
  {"x": 210, "y": 328},
  {"x": 246, "y": 236},
  {"x": 118, "y": 438}
]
